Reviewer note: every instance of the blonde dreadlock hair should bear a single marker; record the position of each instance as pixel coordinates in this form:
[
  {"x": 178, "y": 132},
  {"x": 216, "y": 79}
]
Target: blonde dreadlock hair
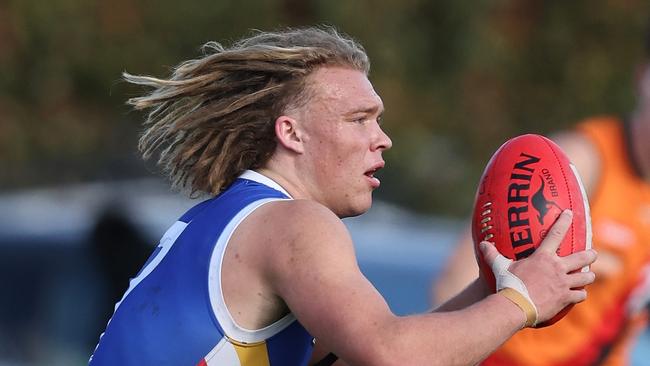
[{"x": 214, "y": 116}]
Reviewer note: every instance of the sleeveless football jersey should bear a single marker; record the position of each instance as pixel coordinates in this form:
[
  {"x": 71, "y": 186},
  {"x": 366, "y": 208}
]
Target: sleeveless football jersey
[
  {"x": 174, "y": 313},
  {"x": 599, "y": 331}
]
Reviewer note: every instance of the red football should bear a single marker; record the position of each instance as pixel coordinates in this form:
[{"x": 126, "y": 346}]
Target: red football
[{"x": 526, "y": 184}]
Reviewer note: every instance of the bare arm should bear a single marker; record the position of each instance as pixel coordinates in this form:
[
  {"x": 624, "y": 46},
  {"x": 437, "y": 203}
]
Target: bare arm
[
  {"x": 583, "y": 155},
  {"x": 460, "y": 271},
  {"x": 472, "y": 293},
  {"x": 313, "y": 268}
]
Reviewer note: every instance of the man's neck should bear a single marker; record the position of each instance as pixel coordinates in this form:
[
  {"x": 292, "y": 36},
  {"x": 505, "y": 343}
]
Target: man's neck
[{"x": 285, "y": 181}]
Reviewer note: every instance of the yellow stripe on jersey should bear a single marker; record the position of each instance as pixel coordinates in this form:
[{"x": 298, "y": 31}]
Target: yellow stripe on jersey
[{"x": 254, "y": 354}]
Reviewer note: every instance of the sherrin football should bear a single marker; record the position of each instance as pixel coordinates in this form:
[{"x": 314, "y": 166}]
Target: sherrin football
[{"x": 526, "y": 184}]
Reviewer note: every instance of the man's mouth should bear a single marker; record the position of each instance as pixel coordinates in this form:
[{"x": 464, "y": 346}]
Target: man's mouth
[
  {"x": 371, "y": 173},
  {"x": 374, "y": 181}
]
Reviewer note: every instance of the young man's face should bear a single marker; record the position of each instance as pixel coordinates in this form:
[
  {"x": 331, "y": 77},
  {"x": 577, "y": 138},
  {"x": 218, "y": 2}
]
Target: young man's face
[{"x": 343, "y": 139}]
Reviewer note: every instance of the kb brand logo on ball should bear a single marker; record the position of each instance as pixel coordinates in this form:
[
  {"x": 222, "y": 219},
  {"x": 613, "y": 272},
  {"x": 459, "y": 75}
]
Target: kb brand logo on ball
[
  {"x": 540, "y": 203},
  {"x": 519, "y": 200}
]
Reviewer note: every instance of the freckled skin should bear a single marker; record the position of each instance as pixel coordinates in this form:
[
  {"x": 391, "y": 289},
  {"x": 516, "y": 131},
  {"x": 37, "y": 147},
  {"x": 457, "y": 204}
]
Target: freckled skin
[{"x": 334, "y": 167}]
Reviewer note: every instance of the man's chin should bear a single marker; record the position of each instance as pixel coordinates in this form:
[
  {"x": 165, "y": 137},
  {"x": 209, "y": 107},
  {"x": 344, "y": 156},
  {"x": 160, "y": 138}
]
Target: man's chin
[{"x": 357, "y": 209}]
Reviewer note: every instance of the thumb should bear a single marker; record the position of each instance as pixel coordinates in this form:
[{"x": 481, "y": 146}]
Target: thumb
[
  {"x": 495, "y": 260},
  {"x": 490, "y": 252},
  {"x": 515, "y": 288}
]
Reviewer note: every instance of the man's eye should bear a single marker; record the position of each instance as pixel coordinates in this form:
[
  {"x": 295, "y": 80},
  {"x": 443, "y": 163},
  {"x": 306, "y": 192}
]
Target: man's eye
[{"x": 360, "y": 120}]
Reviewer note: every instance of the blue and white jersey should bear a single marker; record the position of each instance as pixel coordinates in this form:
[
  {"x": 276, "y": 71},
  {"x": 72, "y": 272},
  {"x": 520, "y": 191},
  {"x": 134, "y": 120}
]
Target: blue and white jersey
[{"x": 174, "y": 313}]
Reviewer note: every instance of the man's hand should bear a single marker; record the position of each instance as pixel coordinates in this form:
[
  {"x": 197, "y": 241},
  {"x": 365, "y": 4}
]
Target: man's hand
[{"x": 552, "y": 282}]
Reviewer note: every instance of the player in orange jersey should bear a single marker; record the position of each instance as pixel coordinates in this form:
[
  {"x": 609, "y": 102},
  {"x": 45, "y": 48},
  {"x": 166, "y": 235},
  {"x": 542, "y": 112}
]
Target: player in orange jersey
[{"x": 613, "y": 158}]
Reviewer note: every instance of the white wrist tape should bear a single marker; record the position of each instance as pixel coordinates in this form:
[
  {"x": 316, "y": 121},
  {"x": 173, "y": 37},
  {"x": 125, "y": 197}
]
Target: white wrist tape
[{"x": 506, "y": 281}]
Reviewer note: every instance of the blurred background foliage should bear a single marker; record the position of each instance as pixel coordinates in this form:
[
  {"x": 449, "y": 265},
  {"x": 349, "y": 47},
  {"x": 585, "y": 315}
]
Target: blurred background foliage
[{"x": 458, "y": 78}]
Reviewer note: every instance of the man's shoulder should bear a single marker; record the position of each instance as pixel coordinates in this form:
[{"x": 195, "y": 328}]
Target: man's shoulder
[
  {"x": 286, "y": 234},
  {"x": 291, "y": 217},
  {"x": 602, "y": 122},
  {"x": 291, "y": 226}
]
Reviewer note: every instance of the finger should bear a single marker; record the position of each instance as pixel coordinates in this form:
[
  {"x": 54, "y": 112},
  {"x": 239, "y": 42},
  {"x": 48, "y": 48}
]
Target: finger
[
  {"x": 579, "y": 260},
  {"x": 580, "y": 279},
  {"x": 576, "y": 296},
  {"x": 557, "y": 232}
]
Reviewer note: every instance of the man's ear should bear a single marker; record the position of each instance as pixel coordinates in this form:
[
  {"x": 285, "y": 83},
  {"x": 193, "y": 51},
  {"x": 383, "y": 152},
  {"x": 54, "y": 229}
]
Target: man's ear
[{"x": 289, "y": 134}]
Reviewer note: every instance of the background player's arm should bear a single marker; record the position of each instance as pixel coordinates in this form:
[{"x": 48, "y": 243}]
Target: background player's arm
[
  {"x": 313, "y": 268},
  {"x": 459, "y": 272},
  {"x": 583, "y": 155}
]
